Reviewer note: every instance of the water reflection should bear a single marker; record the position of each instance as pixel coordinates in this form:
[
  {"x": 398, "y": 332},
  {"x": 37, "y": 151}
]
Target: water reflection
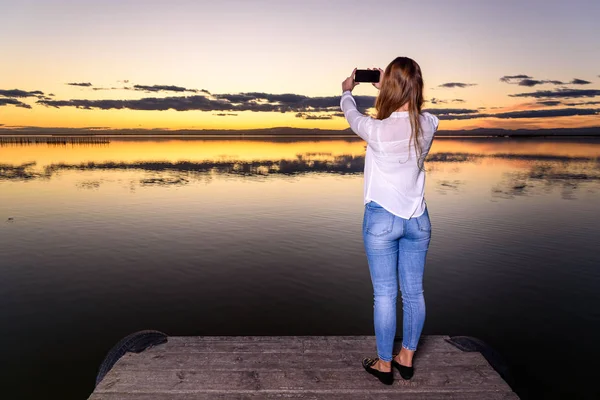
[
  {"x": 544, "y": 176},
  {"x": 202, "y": 237},
  {"x": 21, "y": 172},
  {"x": 524, "y": 175},
  {"x": 345, "y": 164},
  {"x": 445, "y": 186}
]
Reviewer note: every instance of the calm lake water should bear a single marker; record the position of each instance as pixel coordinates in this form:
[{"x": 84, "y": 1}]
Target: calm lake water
[{"x": 256, "y": 237}]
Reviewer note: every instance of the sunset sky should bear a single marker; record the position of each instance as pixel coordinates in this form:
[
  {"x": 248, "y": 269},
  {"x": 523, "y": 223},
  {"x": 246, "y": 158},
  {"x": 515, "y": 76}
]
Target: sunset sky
[{"x": 255, "y": 64}]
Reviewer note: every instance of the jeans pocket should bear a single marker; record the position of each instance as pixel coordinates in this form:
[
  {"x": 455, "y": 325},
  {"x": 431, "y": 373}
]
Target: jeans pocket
[
  {"x": 378, "y": 221},
  {"x": 423, "y": 222}
]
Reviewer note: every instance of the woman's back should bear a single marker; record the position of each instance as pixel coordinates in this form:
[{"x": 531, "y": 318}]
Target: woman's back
[{"x": 394, "y": 174}]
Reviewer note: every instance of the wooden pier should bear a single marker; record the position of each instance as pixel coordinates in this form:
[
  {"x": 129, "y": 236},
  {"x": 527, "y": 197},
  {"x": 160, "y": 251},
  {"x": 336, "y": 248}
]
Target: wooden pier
[{"x": 294, "y": 367}]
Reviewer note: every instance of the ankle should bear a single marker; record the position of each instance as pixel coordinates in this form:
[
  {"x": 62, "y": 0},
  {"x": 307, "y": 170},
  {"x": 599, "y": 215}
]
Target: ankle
[
  {"x": 404, "y": 359},
  {"x": 385, "y": 366}
]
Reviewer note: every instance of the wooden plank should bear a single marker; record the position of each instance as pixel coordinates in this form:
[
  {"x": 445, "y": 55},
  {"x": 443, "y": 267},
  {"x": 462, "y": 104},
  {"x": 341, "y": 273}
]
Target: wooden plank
[
  {"x": 294, "y": 344},
  {"x": 153, "y": 359},
  {"x": 278, "y": 339},
  {"x": 323, "y": 395},
  {"x": 434, "y": 379}
]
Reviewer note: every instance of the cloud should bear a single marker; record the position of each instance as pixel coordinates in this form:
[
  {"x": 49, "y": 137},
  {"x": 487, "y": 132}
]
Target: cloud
[
  {"x": 456, "y": 85},
  {"x": 291, "y": 102},
  {"x": 563, "y": 112},
  {"x": 451, "y": 111},
  {"x": 160, "y": 104},
  {"x": 585, "y": 103},
  {"x": 20, "y": 93},
  {"x": 315, "y": 117},
  {"x": 440, "y": 101},
  {"x": 455, "y": 113},
  {"x": 145, "y": 88},
  {"x": 257, "y": 102},
  {"x": 437, "y": 101},
  {"x": 317, "y": 108},
  {"x": 553, "y": 113},
  {"x": 463, "y": 114},
  {"x": 560, "y": 93},
  {"x": 579, "y": 82},
  {"x": 549, "y": 102},
  {"x": 526, "y": 80},
  {"x": 166, "y": 88},
  {"x": 512, "y": 78},
  {"x": 14, "y": 102},
  {"x": 534, "y": 82}
]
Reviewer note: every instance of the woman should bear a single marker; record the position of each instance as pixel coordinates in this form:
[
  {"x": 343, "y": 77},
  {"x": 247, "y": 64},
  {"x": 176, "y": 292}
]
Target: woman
[{"x": 396, "y": 226}]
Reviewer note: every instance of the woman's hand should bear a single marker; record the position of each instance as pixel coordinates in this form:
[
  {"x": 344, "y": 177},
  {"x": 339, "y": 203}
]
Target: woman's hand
[
  {"x": 349, "y": 83},
  {"x": 378, "y": 84}
]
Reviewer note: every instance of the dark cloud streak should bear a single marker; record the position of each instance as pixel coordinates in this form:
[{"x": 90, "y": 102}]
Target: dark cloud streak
[
  {"x": 20, "y": 93},
  {"x": 13, "y": 102},
  {"x": 166, "y": 88},
  {"x": 316, "y": 117},
  {"x": 549, "y": 103},
  {"x": 552, "y": 113},
  {"x": 510, "y": 78},
  {"x": 585, "y": 103},
  {"x": 560, "y": 93},
  {"x": 440, "y": 101},
  {"x": 256, "y": 102},
  {"x": 564, "y": 112},
  {"x": 534, "y": 82},
  {"x": 528, "y": 81},
  {"x": 579, "y": 82},
  {"x": 456, "y": 85}
]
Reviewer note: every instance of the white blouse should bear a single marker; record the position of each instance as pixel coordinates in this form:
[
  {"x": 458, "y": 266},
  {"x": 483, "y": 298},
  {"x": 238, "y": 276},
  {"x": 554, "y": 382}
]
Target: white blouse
[{"x": 393, "y": 178}]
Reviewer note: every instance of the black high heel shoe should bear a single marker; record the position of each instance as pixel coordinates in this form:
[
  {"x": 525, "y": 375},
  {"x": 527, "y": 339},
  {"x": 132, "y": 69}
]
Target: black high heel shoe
[
  {"x": 405, "y": 372},
  {"x": 387, "y": 378}
]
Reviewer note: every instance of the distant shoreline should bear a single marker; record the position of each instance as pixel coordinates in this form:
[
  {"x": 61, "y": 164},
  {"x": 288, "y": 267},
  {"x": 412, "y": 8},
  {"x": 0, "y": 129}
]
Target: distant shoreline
[{"x": 282, "y": 133}]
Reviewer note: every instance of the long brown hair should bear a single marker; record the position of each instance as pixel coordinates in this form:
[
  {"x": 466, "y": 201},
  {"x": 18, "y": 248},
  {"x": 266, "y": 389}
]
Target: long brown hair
[{"x": 403, "y": 83}]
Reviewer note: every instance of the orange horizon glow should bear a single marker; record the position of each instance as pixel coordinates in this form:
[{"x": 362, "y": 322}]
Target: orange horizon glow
[{"x": 179, "y": 120}]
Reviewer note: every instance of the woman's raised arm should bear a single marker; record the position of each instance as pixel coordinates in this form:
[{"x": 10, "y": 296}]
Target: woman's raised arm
[{"x": 360, "y": 124}]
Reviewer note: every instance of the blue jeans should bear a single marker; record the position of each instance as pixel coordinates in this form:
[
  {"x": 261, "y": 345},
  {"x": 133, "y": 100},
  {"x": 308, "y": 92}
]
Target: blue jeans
[{"x": 396, "y": 250}]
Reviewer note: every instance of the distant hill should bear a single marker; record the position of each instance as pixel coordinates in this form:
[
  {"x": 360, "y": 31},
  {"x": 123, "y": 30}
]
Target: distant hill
[
  {"x": 288, "y": 132},
  {"x": 593, "y": 131}
]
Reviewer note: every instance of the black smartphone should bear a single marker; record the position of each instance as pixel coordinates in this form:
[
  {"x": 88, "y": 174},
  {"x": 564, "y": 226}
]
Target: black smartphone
[{"x": 366, "y": 75}]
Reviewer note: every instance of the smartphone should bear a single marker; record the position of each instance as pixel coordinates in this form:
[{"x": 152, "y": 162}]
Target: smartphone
[{"x": 366, "y": 75}]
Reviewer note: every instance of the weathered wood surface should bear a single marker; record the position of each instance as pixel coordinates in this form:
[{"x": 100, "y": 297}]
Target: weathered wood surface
[{"x": 294, "y": 367}]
